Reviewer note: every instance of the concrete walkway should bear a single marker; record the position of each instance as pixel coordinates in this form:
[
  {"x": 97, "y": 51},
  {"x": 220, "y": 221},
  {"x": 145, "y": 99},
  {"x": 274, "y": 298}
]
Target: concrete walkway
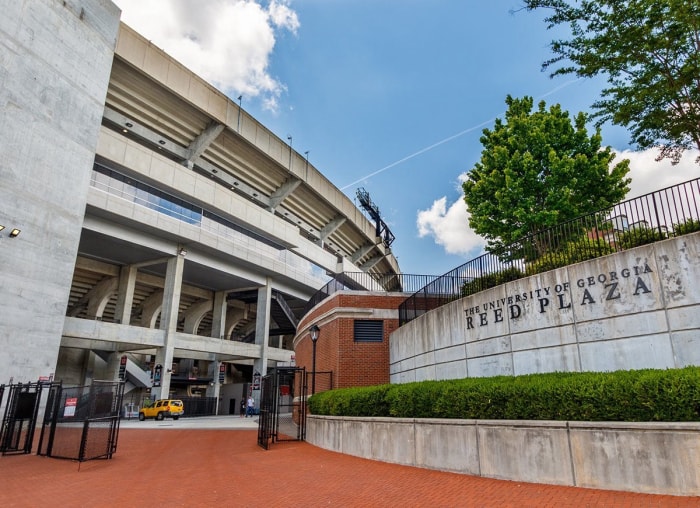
[{"x": 204, "y": 462}]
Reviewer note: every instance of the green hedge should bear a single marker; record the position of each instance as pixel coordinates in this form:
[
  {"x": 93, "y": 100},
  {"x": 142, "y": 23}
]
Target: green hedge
[
  {"x": 491, "y": 280},
  {"x": 635, "y": 396},
  {"x": 684, "y": 228},
  {"x": 642, "y": 235},
  {"x": 571, "y": 252}
]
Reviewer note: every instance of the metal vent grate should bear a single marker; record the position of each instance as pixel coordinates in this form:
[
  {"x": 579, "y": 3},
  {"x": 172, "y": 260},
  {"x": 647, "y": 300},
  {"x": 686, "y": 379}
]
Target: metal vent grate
[{"x": 369, "y": 330}]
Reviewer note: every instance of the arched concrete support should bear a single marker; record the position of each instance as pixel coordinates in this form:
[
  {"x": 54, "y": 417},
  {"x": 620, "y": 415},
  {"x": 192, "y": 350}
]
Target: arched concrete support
[
  {"x": 125, "y": 294},
  {"x": 150, "y": 309},
  {"x": 96, "y": 299},
  {"x": 195, "y": 314},
  {"x": 168, "y": 322},
  {"x": 233, "y": 317},
  {"x": 100, "y": 297}
]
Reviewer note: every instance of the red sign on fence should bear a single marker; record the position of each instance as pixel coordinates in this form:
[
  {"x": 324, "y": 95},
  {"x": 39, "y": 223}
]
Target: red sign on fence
[{"x": 69, "y": 410}]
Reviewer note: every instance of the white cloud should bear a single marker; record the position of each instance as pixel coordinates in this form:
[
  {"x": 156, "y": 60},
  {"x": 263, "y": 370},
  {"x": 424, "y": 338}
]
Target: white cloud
[
  {"x": 226, "y": 42},
  {"x": 449, "y": 227},
  {"x": 648, "y": 175}
]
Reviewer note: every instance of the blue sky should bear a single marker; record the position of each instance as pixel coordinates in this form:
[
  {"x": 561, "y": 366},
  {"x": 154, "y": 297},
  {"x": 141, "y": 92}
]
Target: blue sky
[{"x": 387, "y": 95}]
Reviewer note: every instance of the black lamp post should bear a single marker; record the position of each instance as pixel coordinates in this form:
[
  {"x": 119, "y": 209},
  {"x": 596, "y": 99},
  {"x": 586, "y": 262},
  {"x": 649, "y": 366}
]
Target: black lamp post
[{"x": 314, "y": 337}]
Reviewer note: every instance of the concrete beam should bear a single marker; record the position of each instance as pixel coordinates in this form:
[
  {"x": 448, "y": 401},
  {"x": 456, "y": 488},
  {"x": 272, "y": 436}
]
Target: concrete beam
[
  {"x": 202, "y": 142},
  {"x": 130, "y": 126},
  {"x": 282, "y": 192},
  {"x": 330, "y": 228},
  {"x": 367, "y": 265},
  {"x": 361, "y": 252}
]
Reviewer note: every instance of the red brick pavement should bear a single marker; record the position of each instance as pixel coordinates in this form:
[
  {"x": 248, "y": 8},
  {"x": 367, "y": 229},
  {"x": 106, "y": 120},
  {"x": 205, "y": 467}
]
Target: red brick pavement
[{"x": 203, "y": 468}]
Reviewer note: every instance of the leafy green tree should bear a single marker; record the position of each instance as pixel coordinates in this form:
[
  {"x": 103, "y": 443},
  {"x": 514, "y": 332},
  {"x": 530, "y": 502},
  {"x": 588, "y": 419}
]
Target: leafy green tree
[
  {"x": 650, "y": 52},
  {"x": 537, "y": 169}
]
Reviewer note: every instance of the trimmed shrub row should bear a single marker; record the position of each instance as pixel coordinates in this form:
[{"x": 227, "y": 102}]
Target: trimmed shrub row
[{"x": 647, "y": 395}]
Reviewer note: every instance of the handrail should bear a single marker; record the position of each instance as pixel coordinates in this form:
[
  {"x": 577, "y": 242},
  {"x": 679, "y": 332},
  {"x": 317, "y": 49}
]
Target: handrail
[
  {"x": 363, "y": 281},
  {"x": 672, "y": 211}
]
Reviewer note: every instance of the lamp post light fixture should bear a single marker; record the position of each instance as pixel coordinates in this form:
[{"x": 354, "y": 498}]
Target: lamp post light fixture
[{"x": 314, "y": 337}]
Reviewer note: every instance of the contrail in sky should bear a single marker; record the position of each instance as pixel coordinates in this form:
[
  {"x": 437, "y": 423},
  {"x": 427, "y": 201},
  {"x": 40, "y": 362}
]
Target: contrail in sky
[{"x": 454, "y": 136}]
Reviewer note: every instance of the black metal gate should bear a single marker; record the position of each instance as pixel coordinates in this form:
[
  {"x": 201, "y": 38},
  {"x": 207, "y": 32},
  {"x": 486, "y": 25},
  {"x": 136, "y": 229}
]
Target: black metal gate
[
  {"x": 20, "y": 417},
  {"x": 282, "y": 406},
  {"x": 82, "y": 423}
]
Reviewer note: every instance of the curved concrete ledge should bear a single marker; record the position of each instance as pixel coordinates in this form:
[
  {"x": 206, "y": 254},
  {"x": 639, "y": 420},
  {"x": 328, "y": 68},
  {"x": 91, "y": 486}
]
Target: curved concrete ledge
[
  {"x": 653, "y": 458},
  {"x": 635, "y": 309}
]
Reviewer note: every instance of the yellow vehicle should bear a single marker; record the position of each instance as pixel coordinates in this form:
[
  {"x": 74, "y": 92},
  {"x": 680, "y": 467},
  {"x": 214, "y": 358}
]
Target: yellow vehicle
[{"x": 162, "y": 408}]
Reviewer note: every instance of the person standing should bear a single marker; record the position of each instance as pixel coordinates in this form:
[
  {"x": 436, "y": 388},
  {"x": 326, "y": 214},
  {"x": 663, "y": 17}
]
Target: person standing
[
  {"x": 251, "y": 407},
  {"x": 242, "y": 411}
]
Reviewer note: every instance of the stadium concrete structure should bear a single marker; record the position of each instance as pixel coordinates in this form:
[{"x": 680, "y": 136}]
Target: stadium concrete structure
[{"x": 156, "y": 223}]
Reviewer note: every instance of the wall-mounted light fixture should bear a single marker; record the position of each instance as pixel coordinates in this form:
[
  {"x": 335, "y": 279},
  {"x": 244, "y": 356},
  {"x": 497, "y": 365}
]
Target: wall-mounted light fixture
[
  {"x": 14, "y": 232},
  {"x": 182, "y": 251}
]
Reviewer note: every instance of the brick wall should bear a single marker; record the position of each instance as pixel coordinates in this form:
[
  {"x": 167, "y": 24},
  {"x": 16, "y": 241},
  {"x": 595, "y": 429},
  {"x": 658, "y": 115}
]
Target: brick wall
[{"x": 352, "y": 363}]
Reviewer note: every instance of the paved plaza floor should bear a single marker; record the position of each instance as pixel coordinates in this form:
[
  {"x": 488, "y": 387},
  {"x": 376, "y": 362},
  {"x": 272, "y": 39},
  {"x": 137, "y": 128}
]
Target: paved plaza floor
[{"x": 215, "y": 461}]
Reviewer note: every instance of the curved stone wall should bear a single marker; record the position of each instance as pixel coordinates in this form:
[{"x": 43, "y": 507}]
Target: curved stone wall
[
  {"x": 635, "y": 309},
  {"x": 655, "y": 458}
]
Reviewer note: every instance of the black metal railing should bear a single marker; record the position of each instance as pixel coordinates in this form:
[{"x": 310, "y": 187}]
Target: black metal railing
[
  {"x": 198, "y": 406},
  {"x": 358, "y": 281},
  {"x": 668, "y": 212}
]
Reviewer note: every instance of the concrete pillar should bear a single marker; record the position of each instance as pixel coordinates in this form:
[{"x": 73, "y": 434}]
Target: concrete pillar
[
  {"x": 218, "y": 321},
  {"x": 168, "y": 322},
  {"x": 214, "y": 388},
  {"x": 125, "y": 294},
  {"x": 88, "y": 367},
  {"x": 56, "y": 66},
  {"x": 262, "y": 335},
  {"x": 112, "y": 369},
  {"x": 218, "y": 330}
]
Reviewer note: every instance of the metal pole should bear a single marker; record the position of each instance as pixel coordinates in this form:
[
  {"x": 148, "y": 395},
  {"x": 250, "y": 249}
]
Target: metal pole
[
  {"x": 240, "y": 100},
  {"x": 313, "y": 369}
]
